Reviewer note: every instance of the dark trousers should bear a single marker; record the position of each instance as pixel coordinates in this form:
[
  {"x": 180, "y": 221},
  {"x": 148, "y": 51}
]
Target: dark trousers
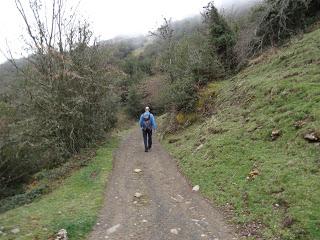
[{"x": 147, "y": 138}]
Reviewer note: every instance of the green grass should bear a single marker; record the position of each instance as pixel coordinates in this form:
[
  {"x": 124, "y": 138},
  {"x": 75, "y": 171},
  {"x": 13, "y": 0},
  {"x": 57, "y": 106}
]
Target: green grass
[
  {"x": 274, "y": 94},
  {"x": 73, "y": 206}
]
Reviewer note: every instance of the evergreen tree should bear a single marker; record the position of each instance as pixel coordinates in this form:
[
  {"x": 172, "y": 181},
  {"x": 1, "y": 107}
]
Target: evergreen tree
[{"x": 221, "y": 36}]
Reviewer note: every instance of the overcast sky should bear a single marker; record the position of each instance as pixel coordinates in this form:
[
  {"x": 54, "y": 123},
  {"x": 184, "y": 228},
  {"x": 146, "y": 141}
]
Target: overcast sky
[{"x": 109, "y": 18}]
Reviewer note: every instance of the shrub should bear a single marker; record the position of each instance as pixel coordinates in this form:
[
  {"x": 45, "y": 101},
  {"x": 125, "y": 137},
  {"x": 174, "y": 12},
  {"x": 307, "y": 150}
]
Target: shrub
[
  {"x": 284, "y": 18},
  {"x": 221, "y": 36},
  {"x": 66, "y": 103},
  {"x": 189, "y": 65},
  {"x": 186, "y": 119},
  {"x": 181, "y": 95},
  {"x": 134, "y": 104}
]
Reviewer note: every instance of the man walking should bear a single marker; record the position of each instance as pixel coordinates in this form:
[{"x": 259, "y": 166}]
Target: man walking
[{"x": 147, "y": 123}]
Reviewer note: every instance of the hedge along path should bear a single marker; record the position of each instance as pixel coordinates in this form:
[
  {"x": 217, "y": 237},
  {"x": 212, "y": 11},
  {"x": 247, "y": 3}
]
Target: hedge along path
[
  {"x": 156, "y": 202},
  {"x": 73, "y": 206}
]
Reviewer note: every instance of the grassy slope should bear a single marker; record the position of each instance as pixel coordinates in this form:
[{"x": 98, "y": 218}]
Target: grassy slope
[
  {"x": 272, "y": 94},
  {"x": 73, "y": 206}
]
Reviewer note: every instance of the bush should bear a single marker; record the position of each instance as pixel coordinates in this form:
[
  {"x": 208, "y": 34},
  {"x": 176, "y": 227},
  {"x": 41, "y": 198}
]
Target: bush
[
  {"x": 186, "y": 119},
  {"x": 221, "y": 36},
  {"x": 284, "y": 18},
  {"x": 245, "y": 27},
  {"x": 23, "y": 198},
  {"x": 180, "y": 95},
  {"x": 194, "y": 59},
  {"x": 189, "y": 65},
  {"x": 66, "y": 103},
  {"x": 134, "y": 103}
]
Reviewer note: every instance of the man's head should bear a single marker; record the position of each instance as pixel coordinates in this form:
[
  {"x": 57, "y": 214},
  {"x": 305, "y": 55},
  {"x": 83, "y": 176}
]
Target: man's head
[{"x": 147, "y": 109}]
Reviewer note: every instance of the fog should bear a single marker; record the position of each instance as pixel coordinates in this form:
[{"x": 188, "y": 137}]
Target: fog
[
  {"x": 234, "y": 3},
  {"x": 109, "y": 18}
]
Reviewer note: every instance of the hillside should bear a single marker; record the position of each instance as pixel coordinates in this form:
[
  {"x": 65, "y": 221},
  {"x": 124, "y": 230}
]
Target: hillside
[
  {"x": 250, "y": 156},
  {"x": 73, "y": 203},
  {"x": 8, "y": 75},
  {"x": 245, "y": 130}
]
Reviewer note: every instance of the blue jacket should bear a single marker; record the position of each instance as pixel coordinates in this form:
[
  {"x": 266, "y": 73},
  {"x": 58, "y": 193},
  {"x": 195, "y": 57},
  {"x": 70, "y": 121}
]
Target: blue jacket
[{"x": 152, "y": 120}]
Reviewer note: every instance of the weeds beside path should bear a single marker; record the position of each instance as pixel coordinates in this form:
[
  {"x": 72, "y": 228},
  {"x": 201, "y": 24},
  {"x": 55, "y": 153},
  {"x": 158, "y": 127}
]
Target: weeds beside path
[
  {"x": 73, "y": 206},
  {"x": 251, "y": 156}
]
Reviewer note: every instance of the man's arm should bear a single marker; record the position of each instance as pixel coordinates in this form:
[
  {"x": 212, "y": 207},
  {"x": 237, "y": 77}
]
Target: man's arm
[
  {"x": 153, "y": 121},
  {"x": 140, "y": 121}
]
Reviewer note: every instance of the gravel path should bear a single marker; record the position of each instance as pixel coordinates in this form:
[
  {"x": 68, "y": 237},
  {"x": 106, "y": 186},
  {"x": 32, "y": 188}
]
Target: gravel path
[{"x": 167, "y": 208}]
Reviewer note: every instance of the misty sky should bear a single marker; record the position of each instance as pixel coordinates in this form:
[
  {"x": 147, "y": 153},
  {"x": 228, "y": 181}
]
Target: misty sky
[{"x": 108, "y": 18}]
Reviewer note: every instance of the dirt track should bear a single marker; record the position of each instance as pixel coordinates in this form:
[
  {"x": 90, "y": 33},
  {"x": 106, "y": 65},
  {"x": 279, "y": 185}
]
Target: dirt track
[{"x": 167, "y": 209}]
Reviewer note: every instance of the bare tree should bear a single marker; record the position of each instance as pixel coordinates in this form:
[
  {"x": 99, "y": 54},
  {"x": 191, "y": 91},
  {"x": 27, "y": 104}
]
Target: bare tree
[
  {"x": 165, "y": 31},
  {"x": 66, "y": 102},
  {"x": 283, "y": 18}
]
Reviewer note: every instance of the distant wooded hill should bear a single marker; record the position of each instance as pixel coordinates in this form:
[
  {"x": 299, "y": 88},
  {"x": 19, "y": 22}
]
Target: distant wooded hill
[{"x": 8, "y": 75}]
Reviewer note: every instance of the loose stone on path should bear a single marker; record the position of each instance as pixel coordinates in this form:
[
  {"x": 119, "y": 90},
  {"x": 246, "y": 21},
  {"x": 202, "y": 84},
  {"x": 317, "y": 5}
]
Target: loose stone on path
[
  {"x": 196, "y": 188},
  {"x": 138, "y": 195},
  {"x": 113, "y": 229},
  {"x": 175, "y": 231}
]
